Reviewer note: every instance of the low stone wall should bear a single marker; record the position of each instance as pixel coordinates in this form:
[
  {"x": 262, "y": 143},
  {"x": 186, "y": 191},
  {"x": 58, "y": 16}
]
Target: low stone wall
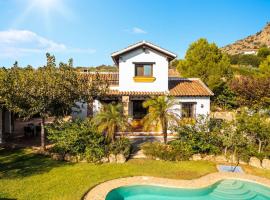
[
  {"x": 253, "y": 161},
  {"x": 112, "y": 158},
  {"x": 226, "y": 115}
]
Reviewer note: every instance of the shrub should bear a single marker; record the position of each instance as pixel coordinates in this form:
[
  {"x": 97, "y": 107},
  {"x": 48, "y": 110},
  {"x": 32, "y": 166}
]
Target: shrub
[
  {"x": 174, "y": 151},
  {"x": 201, "y": 136},
  {"x": 245, "y": 59},
  {"x": 72, "y": 137},
  {"x": 120, "y": 146},
  {"x": 80, "y": 138}
]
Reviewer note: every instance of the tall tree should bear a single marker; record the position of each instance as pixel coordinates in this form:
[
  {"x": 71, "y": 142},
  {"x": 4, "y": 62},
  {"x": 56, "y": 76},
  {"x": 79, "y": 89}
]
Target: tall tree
[
  {"x": 161, "y": 111},
  {"x": 206, "y": 61},
  {"x": 48, "y": 91},
  {"x": 110, "y": 120}
]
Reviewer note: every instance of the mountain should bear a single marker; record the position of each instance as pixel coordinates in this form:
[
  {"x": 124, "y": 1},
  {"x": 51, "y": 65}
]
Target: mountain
[{"x": 250, "y": 44}]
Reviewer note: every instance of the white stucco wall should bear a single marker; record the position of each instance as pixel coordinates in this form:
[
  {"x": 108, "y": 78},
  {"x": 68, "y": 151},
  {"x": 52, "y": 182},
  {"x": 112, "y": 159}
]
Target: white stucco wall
[
  {"x": 127, "y": 71},
  {"x": 202, "y": 104},
  {"x": 80, "y": 112},
  {"x": 96, "y": 106}
]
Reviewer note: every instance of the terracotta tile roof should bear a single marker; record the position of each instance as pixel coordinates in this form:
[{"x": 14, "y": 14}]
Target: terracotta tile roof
[
  {"x": 177, "y": 86},
  {"x": 134, "y": 93},
  {"x": 188, "y": 87},
  {"x": 111, "y": 77}
]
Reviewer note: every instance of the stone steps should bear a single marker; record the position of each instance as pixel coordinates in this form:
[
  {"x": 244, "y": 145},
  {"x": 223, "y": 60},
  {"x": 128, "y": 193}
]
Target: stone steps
[{"x": 138, "y": 155}]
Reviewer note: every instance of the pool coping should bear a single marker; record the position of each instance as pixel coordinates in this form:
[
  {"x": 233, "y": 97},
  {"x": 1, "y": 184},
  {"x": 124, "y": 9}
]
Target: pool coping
[{"x": 99, "y": 192}]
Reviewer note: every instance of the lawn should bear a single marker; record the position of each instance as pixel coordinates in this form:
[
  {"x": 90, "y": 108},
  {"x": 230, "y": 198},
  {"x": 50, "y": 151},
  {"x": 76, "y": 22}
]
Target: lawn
[{"x": 25, "y": 175}]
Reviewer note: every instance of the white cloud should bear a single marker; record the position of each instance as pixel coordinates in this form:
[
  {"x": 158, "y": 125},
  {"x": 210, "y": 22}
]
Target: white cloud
[
  {"x": 137, "y": 30},
  {"x": 17, "y": 43}
]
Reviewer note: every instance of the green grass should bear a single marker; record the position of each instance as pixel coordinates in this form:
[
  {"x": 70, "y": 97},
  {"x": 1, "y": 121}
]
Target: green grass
[{"x": 25, "y": 175}]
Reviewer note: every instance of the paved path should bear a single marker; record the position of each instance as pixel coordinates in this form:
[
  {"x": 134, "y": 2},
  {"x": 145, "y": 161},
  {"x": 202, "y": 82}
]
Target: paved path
[{"x": 100, "y": 191}]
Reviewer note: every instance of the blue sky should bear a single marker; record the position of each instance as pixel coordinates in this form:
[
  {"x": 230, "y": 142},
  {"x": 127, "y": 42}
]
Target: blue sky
[{"x": 89, "y": 31}]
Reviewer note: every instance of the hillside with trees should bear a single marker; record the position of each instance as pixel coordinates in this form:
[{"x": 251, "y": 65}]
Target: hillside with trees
[
  {"x": 250, "y": 44},
  {"x": 236, "y": 80}
]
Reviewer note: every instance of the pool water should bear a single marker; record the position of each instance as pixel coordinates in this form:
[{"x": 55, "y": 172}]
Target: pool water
[{"x": 222, "y": 190}]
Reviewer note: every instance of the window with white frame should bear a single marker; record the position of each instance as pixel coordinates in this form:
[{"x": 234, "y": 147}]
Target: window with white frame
[{"x": 188, "y": 109}]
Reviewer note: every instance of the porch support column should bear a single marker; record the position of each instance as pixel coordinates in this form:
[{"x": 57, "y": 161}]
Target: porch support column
[{"x": 125, "y": 101}]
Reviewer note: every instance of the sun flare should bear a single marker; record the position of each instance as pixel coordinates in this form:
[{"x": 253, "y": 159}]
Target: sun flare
[
  {"x": 44, "y": 9},
  {"x": 45, "y": 5}
]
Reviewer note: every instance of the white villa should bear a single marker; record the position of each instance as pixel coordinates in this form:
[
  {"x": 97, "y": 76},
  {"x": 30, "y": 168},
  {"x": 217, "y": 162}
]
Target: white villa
[{"x": 143, "y": 71}]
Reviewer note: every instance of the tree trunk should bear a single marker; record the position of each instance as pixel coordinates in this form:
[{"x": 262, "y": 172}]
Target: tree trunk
[
  {"x": 225, "y": 151},
  {"x": 42, "y": 134},
  {"x": 164, "y": 130},
  {"x": 113, "y": 133},
  {"x": 260, "y": 146}
]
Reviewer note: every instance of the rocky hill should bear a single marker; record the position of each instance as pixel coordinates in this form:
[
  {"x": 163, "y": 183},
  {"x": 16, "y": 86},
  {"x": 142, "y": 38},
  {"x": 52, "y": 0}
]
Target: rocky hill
[{"x": 250, "y": 44}]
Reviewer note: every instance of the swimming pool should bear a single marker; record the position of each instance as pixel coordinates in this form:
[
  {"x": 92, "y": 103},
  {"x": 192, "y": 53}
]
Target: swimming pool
[{"x": 222, "y": 190}]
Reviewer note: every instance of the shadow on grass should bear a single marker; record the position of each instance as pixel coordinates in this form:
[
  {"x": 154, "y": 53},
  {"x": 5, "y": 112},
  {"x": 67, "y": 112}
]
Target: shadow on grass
[{"x": 21, "y": 163}]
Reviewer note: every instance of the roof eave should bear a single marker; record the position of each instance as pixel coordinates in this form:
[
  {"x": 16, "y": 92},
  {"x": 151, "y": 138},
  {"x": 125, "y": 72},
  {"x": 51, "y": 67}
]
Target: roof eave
[{"x": 169, "y": 54}]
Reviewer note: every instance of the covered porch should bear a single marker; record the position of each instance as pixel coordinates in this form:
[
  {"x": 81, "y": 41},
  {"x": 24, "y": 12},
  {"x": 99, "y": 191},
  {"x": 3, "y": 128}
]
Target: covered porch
[{"x": 132, "y": 108}]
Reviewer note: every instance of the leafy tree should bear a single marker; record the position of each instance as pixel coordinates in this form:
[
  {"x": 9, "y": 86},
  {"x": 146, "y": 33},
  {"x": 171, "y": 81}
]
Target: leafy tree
[
  {"x": 265, "y": 67},
  {"x": 252, "y": 91},
  {"x": 233, "y": 139},
  {"x": 110, "y": 120},
  {"x": 226, "y": 98},
  {"x": 48, "y": 91},
  {"x": 174, "y": 64},
  {"x": 227, "y": 135},
  {"x": 205, "y": 61},
  {"x": 161, "y": 111},
  {"x": 255, "y": 126}
]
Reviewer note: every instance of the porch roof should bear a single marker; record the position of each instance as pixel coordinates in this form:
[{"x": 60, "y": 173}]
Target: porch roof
[{"x": 188, "y": 87}]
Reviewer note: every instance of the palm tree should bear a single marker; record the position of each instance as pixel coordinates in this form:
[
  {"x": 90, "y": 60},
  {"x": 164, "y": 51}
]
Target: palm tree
[
  {"x": 161, "y": 112},
  {"x": 111, "y": 119}
]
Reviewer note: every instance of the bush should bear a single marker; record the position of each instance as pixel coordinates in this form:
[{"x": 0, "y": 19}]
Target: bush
[
  {"x": 80, "y": 138},
  {"x": 120, "y": 146},
  {"x": 73, "y": 137},
  {"x": 201, "y": 136},
  {"x": 245, "y": 59},
  {"x": 174, "y": 151}
]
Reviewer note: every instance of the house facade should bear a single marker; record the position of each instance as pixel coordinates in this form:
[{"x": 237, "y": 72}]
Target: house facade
[{"x": 143, "y": 71}]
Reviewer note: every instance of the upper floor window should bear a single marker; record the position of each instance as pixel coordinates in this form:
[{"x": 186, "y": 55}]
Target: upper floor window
[
  {"x": 143, "y": 69},
  {"x": 188, "y": 110}
]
